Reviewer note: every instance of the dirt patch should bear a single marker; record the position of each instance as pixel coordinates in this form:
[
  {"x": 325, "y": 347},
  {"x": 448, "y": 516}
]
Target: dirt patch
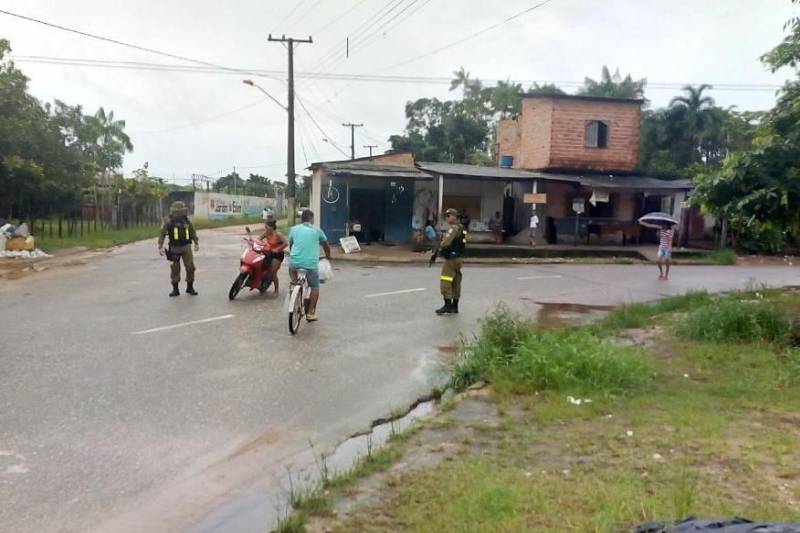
[
  {"x": 555, "y": 315},
  {"x": 646, "y": 338}
]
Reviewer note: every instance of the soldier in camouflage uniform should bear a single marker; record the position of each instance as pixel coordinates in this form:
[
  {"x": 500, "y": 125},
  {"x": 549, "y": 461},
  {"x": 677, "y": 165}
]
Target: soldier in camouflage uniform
[
  {"x": 451, "y": 249},
  {"x": 181, "y": 233}
]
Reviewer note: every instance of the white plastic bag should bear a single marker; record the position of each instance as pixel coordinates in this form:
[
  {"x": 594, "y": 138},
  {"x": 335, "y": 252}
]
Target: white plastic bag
[{"x": 325, "y": 270}]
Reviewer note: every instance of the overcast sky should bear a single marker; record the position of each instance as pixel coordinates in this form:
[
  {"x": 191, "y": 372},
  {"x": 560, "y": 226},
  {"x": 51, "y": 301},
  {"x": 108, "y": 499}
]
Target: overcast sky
[{"x": 190, "y": 122}]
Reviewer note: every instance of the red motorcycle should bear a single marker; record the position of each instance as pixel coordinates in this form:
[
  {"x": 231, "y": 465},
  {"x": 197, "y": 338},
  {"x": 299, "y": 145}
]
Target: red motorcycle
[{"x": 254, "y": 268}]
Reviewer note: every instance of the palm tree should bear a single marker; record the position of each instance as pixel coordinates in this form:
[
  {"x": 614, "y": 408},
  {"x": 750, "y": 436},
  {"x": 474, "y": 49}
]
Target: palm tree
[
  {"x": 461, "y": 79},
  {"x": 110, "y": 144},
  {"x": 696, "y": 112},
  {"x": 613, "y": 86},
  {"x": 111, "y": 140}
]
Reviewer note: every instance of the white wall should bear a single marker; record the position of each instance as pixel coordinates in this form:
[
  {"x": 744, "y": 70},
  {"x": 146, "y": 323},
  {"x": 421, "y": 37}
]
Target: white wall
[
  {"x": 491, "y": 193},
  {"x": 212, "y": 205},
  {"x": 316, "y": 197}
]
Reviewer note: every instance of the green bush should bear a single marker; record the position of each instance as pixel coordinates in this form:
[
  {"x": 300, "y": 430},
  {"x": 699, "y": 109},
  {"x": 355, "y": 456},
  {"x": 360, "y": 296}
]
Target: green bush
[
  {"x": 638, "y": 315},
  {"x": 732, "y": 320},
  {"x": 762, "y": 238},
  {"x": 514, "y": 356},
  {"x": 721, "y": 257}
]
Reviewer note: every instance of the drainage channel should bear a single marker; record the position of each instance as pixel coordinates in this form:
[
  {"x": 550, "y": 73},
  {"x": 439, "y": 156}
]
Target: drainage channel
[{"x": 262, "y": 510}]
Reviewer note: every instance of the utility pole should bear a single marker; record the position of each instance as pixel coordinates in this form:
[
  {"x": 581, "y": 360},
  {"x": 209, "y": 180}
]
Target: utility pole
[
  {"x": 290, "y": 108},
  {"x": 353, "y": 137},
  {"x": 234, "y": 180},
  {"x": 370, "y": 146}
]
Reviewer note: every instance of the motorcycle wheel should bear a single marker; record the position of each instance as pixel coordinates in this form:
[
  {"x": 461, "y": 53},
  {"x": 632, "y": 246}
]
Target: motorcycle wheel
[
  {"x": 265, "y": 284},
  {"x": 238, "y": 283}
]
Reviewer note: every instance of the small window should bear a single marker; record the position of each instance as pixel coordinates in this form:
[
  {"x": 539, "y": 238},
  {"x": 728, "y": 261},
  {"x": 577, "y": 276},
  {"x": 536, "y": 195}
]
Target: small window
[{"x": 596, "y": 134}]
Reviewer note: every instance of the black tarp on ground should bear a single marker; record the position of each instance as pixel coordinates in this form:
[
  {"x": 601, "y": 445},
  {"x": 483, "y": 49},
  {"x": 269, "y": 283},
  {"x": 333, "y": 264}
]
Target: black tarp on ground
[{"x": 734, "y": 525}]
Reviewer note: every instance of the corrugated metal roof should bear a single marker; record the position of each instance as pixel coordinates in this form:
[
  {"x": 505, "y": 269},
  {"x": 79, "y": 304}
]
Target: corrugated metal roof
[
  {"x": 459, "y": 169},
  {"x": 358, "y": 168},
  {"x": 609, "y": 181},
  {"x": 634, "y": 183}
]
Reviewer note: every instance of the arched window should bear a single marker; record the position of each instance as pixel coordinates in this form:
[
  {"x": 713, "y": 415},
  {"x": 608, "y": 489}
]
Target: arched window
[{"x": 596, "y": 134}]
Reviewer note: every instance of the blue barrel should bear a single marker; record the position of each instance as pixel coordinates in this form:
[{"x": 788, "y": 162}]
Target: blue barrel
[{"x": 506, "y": 161}]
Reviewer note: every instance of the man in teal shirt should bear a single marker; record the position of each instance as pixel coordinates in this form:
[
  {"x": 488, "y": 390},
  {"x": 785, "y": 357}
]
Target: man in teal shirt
[{"x": 304, "y": 242}]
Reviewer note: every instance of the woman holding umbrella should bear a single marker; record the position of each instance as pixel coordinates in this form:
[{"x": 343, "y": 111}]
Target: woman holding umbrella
[{"x": 665, "y": 224}]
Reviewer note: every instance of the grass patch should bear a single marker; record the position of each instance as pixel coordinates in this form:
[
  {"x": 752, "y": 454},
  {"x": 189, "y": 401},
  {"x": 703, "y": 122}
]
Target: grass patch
[
  {"x": 721, "y": 257},
  {"x": 731, "y": 320},
  {"x": 714, "y": 435},
  {"x": 106, "y": 238},
  {"x": 639, "y": 315},
  {"x": 518, "y": 358}
]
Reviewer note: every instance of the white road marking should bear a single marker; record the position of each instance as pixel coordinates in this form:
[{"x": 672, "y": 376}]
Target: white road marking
[
  {"x": 405, "y": 291},
  {"x": 193, "y": 322},
  {"x": 540, "y": 277}
]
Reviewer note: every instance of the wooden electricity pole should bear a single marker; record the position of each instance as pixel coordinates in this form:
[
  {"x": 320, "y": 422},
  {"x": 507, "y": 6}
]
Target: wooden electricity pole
[
  {"x": 353, "y": 137},
  {"x": 290, "y": 174}
]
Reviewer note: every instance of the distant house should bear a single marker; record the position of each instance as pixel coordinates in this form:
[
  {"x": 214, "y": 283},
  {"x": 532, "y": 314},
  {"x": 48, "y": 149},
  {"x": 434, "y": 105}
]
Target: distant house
[
  {"x": 561, "y": 153},
  {"x": 371, "y": 197},
  {"x": 585, "y": 147}
]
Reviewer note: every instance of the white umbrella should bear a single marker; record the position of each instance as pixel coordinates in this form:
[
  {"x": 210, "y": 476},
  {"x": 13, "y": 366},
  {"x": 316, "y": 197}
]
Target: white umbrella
[{"x": 655, "y": 219}]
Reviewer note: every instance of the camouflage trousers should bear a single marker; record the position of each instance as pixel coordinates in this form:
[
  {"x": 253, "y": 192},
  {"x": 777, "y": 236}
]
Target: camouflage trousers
[
  {"x": 184, "y": 253},
  {"x": 450, "y": 279}
]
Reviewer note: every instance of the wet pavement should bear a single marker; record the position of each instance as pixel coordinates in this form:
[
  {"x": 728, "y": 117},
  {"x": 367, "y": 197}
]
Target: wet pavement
[{"x": 124, "y": 410}]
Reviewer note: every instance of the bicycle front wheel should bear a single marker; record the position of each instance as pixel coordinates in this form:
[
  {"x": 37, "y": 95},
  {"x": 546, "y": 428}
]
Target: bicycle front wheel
[{"x": 296, "y": 312}]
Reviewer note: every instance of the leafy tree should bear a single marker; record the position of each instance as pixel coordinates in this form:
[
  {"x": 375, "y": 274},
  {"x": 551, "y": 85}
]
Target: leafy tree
[
  {"x": 49, "y": 154},
  {"x": 691, "y": 135},
  {"x": 545, "y": 89},
  {"x": 613, "y": 86},
  {"x": 787, "y": 53},
  {"x": 757, "y": 191},
  {"x": 230, "y": 183},
  {"x": 257, "y": 185}
]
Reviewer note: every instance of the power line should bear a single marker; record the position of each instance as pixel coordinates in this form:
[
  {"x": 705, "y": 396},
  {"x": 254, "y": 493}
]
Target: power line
[
  {"x": 200, "y": 121},
  {"x": 122, "y": 43},
  {"x": 288, "y": 15},
  {"x": 377, "y": 78},
  {"x": 307, "y": 12},
  {"x": 372, "y": 37},
  {"x": 337, "y": 19},
  {"x": 333, "y": 53},
  {"x": 330, "y": 138},
  {"x": 469, "y": 37}
]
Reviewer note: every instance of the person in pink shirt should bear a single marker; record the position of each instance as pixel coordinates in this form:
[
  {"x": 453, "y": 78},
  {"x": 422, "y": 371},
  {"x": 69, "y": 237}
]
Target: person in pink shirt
[{"x": 665, "y": 235}]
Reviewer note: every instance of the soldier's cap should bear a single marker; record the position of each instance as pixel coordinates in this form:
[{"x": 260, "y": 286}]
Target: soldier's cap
[
  {"x": 451, "y": 211},
  {"x": 178, "y": 208}
]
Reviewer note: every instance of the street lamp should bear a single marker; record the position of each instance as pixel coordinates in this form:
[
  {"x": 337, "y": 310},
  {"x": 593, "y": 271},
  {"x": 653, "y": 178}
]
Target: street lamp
[
  {"x": 290, "y": 148},
  {"x": 251, "y": 83}
]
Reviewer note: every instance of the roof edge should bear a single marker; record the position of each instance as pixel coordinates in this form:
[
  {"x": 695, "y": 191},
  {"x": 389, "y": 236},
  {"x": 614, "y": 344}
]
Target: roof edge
[{"x": 585, "y": 97}]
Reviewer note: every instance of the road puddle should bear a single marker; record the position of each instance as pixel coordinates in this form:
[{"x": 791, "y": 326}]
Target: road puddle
[{"x": 554, "y": 315}]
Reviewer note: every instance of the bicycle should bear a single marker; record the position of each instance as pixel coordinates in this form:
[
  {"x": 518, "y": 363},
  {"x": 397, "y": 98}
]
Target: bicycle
[{"x": 297, "y": 300}]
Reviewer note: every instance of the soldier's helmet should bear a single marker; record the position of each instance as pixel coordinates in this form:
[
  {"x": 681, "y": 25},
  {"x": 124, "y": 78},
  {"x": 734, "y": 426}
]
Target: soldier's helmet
[{"x": 178, "y": 209}]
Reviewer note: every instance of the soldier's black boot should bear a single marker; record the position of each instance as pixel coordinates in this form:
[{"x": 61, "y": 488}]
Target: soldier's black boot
[
  {"x": 445, "y": 308},
  {"x": 175, "y": 291},
  {"x": 190, "y": 288},
  {"x": 454, "y": 307}
]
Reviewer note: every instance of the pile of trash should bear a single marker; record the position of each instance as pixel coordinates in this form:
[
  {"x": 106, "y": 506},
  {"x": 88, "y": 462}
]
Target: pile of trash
[
  {"x": 17, "y": 241},
  {"x": 734, "y": 525}
]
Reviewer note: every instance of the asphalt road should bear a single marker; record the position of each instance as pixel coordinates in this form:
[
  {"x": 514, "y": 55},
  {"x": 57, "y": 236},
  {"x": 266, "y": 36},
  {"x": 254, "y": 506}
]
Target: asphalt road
[{"x": 110, "y": 422}]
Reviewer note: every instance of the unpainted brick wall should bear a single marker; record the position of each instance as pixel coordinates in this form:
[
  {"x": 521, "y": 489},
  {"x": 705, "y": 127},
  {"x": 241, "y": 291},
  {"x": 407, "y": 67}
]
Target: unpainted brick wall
[
  {"x": 569, "y": 119},
  {"x": 550, "y": 134}
]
